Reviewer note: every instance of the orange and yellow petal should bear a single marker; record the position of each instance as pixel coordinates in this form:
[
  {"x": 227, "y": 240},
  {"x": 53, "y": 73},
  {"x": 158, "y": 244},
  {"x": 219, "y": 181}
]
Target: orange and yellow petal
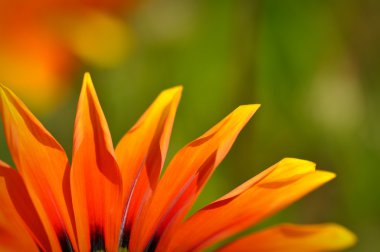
[
  {"x": 258, "y": 198},
  {"x": 185, "y": 176},
  {"x": 142, "y": 151},
  {"x": 295, "y": 238},
  {"x": 42, "y": 164},
  {"x": 13, "y": 233},
  {"x": 95, "y": 177},
  {"x": 20, "y": 226},
  {"x": 17, "y": 205}
]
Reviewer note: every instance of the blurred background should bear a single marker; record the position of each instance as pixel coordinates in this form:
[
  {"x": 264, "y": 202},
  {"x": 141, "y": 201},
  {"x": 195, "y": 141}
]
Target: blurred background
[{"x": 313, "y": 65}]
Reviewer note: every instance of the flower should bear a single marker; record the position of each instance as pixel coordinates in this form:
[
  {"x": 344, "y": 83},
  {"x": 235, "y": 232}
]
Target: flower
[
  {"x": 47, "y": 40},
  {"x": 112, "y": 198}
]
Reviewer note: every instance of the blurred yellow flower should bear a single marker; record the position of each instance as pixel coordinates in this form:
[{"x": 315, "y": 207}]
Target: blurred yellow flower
[{"x": 46, "y": 40}]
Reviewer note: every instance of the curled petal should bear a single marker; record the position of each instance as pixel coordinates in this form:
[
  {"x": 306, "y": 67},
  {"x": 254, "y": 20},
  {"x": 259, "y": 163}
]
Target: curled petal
[
  {"x": 295, "y": 238},
  {"x": 263, "y": 195}
]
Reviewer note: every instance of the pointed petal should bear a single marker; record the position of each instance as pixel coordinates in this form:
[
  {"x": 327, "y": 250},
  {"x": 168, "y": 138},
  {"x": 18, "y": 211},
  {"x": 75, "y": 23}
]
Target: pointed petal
[
  {"x": 41, "y": 162},
  {"x": 17, "y": 205},
  {"x": 185, "y": 177},
  {"x": 13, "y": 234},
  {"x": 95, "y": 177},
  {"x": 295, "y": 238},
  {"x": 274, "y": 189},
  {"x": 141, "y": 153}
]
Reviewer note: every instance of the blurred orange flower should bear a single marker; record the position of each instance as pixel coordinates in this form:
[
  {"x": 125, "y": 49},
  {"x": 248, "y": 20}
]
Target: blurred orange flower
[
  {"x": 115, "y": 198},
  {"x": 46, "y": 40}
]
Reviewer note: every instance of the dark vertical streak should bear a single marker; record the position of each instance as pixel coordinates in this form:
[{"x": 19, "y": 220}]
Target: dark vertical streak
[
  {"x": 124, "y": 240},
  {"x": 39, "y": 248},
  {"x": 64, "y": 242},
  {"x": 151, "y": 247},
  {"x": 97, "y": 239}
]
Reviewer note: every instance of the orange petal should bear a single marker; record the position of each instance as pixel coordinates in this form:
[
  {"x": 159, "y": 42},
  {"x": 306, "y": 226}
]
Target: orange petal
[
  {"x": 13, "y": 233},
  {"x": 19, "y": 207},
  {"x": 141, "y": 154},
  {"x": 42, "y": 164},
  {"x": 95, "y": 177},
  {"x": 272, "y": 190},
  {"x": 293, "y": 238},
  {"x": 185, "y": 177}
]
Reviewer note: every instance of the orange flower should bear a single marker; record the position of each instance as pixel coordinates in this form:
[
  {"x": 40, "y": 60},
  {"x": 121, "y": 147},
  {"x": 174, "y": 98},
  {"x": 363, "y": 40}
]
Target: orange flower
[
  {"x": 45, "y": 40},
  {"x": 110, "y": 199}
]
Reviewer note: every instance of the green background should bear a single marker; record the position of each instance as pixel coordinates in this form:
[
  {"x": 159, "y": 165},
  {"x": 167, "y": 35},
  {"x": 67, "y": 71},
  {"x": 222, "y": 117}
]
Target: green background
[{"x": 314, "y": 67}]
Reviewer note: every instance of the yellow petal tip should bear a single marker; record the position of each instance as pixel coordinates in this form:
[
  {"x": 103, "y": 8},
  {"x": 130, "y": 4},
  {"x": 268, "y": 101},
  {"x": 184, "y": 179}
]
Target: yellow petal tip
[
  {"x": 298, "y": 162},
  {"x": 326, "y": 175},
  {"x": 3, "y": 89},
  {"x": 87, "y": 76},
  {"x": 338, "y": 236},
  {"x": 172, "y": 91},
  {"x": 249, "y": 109},
  {"x": 5, "y": 93},
  {"x": 252, "y": 107},
  {"x": 178, "y": 88},
  {"x": 347, "y": 238},
  {"x": 87, "y": 81}
]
